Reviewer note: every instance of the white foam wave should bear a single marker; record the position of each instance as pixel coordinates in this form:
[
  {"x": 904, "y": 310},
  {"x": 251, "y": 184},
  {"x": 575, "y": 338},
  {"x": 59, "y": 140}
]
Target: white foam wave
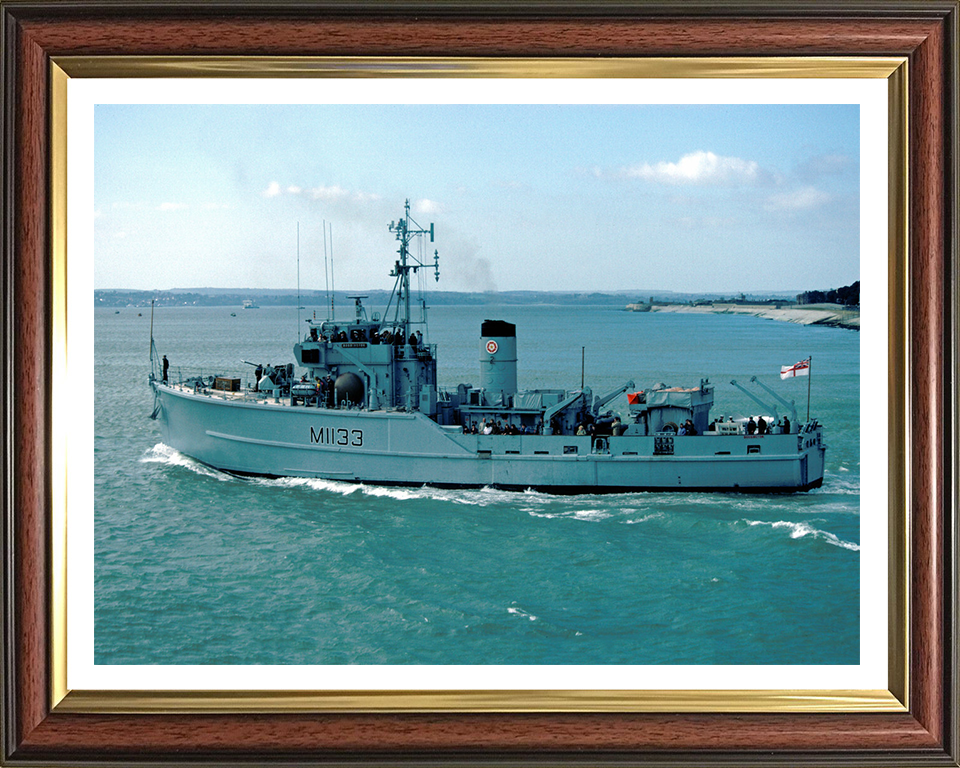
[
  {"x": 590, "y": 514},
  {"x": 645, "y": 518},
  {"x": 472, "y": 497},
  {"x": 585, "y": 515},
  {"x": 840, "y": 485},
  {"x": 800, "y": 530},
  {"x": 398, "y": 494},
  {"x": 524, "y": 614},
  {"x": 316, "y": 484},
  {"x": 544, "y": 515},
  {"x": 164, "y": 454},
  {"x": 477, "y": 497}
]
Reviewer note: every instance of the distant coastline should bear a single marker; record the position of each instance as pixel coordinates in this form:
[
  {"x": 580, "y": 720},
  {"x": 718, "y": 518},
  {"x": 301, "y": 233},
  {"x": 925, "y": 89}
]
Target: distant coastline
[
  {"x": 772, "y": 306},
  {"x": 224, "y": 297},
  {"x": 802, "y": 314},
  {"x": 214, "y": 297}
]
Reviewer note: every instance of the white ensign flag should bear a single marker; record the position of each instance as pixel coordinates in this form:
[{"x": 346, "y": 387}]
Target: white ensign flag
[{"x": 797, "y": 369}]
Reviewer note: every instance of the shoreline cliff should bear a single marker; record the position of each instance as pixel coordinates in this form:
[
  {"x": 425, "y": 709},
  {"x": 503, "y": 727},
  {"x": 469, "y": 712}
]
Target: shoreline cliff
[{"x": 802, "y": 314}]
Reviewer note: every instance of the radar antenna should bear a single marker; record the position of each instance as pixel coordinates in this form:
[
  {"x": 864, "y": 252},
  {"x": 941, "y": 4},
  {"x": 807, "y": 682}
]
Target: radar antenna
[{"x": 406, "y": 230}]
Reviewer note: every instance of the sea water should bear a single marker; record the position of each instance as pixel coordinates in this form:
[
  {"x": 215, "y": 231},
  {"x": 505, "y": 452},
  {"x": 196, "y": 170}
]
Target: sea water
[{"x": 194, "y": 566}]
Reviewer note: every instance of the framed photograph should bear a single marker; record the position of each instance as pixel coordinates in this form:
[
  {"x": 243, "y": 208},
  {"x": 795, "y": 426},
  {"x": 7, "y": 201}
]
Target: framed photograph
[{"x": 111, "y": 653}]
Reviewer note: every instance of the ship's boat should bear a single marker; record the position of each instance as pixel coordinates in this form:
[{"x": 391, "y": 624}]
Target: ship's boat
[{"x": 362, "y": 405}]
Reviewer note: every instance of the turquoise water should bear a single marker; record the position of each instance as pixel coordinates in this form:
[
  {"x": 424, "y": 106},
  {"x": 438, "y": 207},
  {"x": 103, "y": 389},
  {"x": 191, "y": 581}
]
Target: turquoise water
[{"x": 196, "y": 567}]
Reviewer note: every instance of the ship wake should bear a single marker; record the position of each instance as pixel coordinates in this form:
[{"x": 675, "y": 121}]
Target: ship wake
[{"x": 802, "y": 530}]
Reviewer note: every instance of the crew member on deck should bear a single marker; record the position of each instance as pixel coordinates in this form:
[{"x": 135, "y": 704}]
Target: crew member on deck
[{"x": 166, "y": 367}]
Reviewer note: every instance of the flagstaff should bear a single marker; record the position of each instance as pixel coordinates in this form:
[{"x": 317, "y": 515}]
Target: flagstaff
[{"x": 799, "y": 369}]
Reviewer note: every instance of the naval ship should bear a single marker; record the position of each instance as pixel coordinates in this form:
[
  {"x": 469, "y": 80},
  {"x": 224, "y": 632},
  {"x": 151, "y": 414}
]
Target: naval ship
[{"x": 362, "y": 405}]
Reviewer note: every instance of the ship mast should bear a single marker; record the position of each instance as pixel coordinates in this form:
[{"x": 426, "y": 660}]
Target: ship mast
[{"x": 405, "y": 230}]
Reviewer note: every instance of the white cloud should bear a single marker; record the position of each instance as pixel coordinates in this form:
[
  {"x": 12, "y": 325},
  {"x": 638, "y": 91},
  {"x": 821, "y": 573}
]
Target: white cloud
[
  {"x": 798, "y": 200},
  {"x": 325, "y": 194},
  {"x": 328, "y": 194},
  {"x": 427, "y": 206},
  {"x": 172, "y": 207},
  {"x": 699, "y": 168}
]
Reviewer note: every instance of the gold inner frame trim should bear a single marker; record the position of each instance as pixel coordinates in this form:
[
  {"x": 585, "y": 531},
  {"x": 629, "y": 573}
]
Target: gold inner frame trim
[
  {"x": 898, "y": 394},
  {"x": 892, "y": 69},
  {"x": 530, "y": 701},
  {"x": 60, "y": 404},
  {"x": 728, "y": 701},
  {"x": 425, "y": 67}
]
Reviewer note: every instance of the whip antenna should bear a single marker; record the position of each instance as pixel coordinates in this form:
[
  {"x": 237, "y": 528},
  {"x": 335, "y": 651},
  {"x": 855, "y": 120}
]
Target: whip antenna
[
  {"x": 298, "y": 281},
  {"x": 152, "y": 302},
  {"x": 326, "y": 271},
  {"x": 333, "y": 285}
]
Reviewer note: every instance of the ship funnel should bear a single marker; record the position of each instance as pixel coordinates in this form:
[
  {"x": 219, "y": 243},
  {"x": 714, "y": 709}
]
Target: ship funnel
[{"x": 498, "y": 360}]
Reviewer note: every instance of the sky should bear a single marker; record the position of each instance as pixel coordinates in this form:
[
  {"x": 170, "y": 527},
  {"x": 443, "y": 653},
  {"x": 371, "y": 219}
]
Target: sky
[{"x": 689, "y": 198}]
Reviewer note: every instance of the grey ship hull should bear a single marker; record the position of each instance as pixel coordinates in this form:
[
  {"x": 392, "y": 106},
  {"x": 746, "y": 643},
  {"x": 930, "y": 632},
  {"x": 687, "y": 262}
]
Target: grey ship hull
[{"x": 393, "y": 447}]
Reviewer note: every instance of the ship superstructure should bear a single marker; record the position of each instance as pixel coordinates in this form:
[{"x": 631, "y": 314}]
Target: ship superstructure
[{"x": 362, "y": 404}]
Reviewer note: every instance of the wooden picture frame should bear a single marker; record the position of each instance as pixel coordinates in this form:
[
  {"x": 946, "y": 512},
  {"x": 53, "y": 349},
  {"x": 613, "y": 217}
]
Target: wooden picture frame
[{"x": 38, "y": 732}]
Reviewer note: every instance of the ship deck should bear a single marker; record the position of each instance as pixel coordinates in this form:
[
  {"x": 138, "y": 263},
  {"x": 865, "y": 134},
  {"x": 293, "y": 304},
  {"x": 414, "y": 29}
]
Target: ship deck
[{"x": 243, "y": 396}]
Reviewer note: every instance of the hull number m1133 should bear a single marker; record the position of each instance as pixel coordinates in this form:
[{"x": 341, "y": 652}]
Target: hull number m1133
[{"x": 334, "y": 436}]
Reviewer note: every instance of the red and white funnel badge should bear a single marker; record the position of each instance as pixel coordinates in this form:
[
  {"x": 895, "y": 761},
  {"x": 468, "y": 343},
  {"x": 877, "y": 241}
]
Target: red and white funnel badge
[{"x": 492, "y": 346}]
